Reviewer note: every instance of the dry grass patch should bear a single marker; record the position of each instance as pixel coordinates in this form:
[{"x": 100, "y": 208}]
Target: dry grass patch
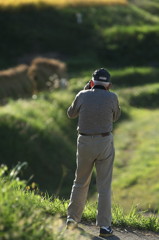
[
  {"x": 60, "y": 2},
  {"x": 15, "y": 83},
  {"x": 24, "y": 81},
  {"x": 47, "y": 73}
]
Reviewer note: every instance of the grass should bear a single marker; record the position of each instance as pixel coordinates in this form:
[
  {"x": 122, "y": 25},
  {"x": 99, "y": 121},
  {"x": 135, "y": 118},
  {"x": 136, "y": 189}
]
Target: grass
[
  {"x": 145, "y": 13},
  {"x": 150, "y": 6},
  {"x": 26, "y": 214}
]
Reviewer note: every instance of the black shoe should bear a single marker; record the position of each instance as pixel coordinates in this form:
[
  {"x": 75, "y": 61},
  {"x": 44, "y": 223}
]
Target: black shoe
[
  {"x": 71, "y": 224},
  {"x": 106, "y": 232}
]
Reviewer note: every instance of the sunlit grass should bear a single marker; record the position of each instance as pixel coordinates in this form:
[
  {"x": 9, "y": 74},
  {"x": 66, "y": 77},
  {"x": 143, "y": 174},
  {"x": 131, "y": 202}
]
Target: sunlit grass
[
  {"x": 144, "y": 13},
  {"x": 60, "y": 2}
]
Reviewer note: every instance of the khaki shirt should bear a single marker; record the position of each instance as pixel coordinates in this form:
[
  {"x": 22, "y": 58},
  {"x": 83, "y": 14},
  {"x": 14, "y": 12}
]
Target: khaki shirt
[{"x": 96, "y": 110}]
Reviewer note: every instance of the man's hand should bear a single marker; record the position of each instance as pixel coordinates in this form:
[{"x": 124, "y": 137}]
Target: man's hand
[{"x": 87, "y": 86}]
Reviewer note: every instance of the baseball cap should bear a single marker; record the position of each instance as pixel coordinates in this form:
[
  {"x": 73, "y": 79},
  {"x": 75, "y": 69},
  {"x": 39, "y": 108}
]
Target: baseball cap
[{"x": 101, "y": 75}]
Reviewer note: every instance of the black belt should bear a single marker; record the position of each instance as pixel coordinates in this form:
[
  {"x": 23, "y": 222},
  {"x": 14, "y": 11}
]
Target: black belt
[{"x": 96, "y": 134}]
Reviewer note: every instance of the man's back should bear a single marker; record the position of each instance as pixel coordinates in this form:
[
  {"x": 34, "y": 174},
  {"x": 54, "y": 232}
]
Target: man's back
[{"x": 96, "y": 109}]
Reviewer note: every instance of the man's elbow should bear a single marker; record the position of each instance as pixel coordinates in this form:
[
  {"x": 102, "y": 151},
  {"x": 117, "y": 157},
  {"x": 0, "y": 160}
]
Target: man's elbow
[
  {"x": 116, "y": 116},
  {"x": 71, "y": 115}
]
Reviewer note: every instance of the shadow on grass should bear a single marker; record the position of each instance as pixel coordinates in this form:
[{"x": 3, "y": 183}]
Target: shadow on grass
[
  {"x": 146, "y": 100},
  {"x": 137, "y": 78}
]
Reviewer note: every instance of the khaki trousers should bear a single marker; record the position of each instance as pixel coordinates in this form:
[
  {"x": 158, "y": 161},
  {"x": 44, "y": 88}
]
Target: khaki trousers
[{"x": 93, "y": 151}]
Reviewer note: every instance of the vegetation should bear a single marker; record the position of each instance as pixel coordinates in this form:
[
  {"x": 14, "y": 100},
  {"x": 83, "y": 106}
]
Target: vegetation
[
  {"x": 123, "y": 38},
  {"x": 27, "y": 215}
]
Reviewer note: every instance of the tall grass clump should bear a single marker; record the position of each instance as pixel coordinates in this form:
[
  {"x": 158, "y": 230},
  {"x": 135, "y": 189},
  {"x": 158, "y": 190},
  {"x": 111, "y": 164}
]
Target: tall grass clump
[{"x": 135, "y": 219}]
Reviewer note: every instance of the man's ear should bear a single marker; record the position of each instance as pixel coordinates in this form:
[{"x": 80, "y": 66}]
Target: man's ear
[{"x": 109, "y": 86}]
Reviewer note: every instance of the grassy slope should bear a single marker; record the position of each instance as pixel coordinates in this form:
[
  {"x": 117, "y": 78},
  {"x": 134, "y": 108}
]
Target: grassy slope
[
  {"x": 33, "y": 131},
  {"x": 37, "y": 128},
  {"x": 27, "y": 215}
]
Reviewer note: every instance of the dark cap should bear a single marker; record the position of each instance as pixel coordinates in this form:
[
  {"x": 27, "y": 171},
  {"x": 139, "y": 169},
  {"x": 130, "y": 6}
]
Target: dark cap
[{"x": 101, "y": 75}]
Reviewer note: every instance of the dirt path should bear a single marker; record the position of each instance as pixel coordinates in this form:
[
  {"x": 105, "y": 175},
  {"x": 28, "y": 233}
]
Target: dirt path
[{"x": 119, "y": 234}]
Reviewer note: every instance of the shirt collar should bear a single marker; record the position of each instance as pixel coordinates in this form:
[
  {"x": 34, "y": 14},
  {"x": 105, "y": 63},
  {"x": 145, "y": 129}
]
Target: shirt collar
[{"x": 99, "y": 87}]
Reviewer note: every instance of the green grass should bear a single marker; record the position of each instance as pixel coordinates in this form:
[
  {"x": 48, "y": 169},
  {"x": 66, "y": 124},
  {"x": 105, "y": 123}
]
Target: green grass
[
  {"x": 26, "y": 214},
  {"x": 146, "y": 12},
  {"x": 148, "y": 5}
]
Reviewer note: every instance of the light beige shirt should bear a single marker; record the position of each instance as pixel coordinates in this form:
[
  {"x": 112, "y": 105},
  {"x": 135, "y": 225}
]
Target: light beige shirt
[{"x": 96, "y": 110}]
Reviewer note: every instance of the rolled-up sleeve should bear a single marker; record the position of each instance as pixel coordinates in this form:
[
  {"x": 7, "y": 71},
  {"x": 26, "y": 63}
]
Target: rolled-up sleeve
[
  {"x": 73, "y": 110},
  {"x": 116, "y": 109}
]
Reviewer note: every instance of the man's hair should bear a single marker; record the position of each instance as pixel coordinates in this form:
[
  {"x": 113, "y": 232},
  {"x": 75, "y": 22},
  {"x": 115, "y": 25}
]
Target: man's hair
[{"x": 105, "y": 84}]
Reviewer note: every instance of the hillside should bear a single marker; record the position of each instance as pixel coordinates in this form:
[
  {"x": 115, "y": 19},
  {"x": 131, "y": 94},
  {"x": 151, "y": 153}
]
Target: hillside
[
  {"x": 102, "y": 36},
  {"x": 124, "y": 39}
]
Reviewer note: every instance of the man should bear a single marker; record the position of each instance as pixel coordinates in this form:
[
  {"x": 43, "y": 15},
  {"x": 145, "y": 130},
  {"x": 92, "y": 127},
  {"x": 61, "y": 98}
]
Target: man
[{"x": 96, "y": 108}]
